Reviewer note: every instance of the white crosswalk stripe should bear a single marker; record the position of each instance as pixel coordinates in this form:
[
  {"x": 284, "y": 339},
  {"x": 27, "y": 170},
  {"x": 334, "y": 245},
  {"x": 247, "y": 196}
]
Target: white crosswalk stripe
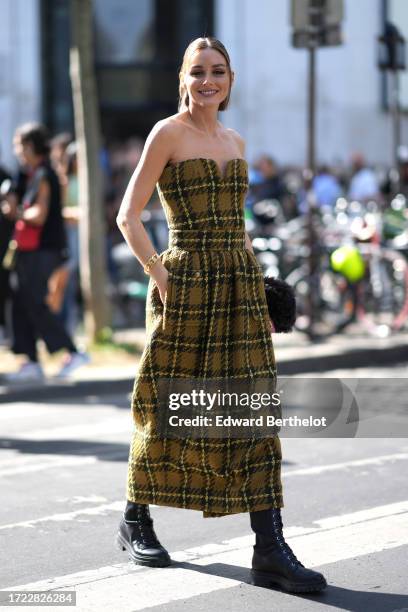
[
  {"x": 18, "y": 465},
  {"x": 214, "y": 567}
]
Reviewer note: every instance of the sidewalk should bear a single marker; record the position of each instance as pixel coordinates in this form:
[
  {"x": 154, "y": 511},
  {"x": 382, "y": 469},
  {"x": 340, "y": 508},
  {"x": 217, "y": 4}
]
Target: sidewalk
[{"x": 112, "y": 371}]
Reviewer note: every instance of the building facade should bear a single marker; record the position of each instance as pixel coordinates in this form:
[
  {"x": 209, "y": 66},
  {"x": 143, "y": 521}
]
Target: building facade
[
  {"x": 269, "y": 104},
  {"x": 20, "y": 70},
  {"x": 138, "y": 51}
]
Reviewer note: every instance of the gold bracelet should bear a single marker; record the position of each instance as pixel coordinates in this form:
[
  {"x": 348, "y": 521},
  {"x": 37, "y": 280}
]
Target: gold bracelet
[{"x": 152, "y": 260}]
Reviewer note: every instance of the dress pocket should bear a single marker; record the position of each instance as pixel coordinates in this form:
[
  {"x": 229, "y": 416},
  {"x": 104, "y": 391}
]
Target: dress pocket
[{"x": 167, "y": 297}]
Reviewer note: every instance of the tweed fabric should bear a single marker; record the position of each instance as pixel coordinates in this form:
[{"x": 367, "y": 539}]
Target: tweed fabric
[{"x": 214, "y": 323}]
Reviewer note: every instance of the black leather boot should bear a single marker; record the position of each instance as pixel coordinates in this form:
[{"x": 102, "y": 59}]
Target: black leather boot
[
  {"x": 274, "y": 562},
  {"x": 138, "y": 537}
]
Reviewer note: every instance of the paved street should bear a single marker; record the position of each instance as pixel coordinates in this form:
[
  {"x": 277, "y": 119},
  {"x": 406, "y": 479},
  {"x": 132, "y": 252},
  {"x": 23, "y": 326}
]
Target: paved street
[{"x": 63, "y": 472}]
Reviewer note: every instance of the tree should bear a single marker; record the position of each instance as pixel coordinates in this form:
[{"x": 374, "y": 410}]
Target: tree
[{"x": 92, "y": 230}]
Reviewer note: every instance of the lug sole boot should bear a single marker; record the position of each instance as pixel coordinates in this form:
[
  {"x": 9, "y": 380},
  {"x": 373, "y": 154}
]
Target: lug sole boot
[
  {"x": 274, "y": 563},
  {"x": 139, "y": 539}
]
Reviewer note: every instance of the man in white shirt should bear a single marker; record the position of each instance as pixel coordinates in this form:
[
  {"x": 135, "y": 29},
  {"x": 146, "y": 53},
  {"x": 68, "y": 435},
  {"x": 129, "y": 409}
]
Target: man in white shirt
[{"x": 364, "y": 185}]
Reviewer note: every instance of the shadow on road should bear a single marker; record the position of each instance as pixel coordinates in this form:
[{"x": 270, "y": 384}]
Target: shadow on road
[
  {"x": 105, "y": 451},
  {"x": 334, "y": 596}
]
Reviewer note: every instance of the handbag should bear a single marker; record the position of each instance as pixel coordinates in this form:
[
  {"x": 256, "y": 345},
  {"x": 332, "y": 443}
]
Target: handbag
[
  {"x": 281, "y": 301},
  {"x": 27, "y": 236}
]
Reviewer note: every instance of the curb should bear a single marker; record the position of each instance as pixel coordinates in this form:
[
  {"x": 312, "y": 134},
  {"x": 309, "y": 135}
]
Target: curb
[
  {"x": 348, "y": 359},
  {"x": 65, "y": 390},
  {"x": 287, "y": 365}
]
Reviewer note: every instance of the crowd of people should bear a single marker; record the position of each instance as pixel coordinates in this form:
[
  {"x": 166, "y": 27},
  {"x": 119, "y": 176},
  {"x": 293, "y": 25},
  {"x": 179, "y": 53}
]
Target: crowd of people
[
  {"x": 40, "y": 294},
  {"x": 39, "y": 251},
  {"x": 359, "y": 181}
]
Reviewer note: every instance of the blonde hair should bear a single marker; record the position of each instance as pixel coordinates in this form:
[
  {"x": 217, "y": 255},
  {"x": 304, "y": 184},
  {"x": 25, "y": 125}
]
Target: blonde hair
[{"x": 203, "y": 42}]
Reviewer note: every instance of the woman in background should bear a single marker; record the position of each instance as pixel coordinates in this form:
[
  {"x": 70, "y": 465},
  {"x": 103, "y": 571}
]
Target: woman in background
[
  {"x": 40, "y": 246},
  {"x": 71, "y": 214}
]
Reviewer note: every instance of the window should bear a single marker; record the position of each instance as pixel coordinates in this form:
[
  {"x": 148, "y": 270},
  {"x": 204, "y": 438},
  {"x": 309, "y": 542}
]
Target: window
[{"x": 124, "y": 31}]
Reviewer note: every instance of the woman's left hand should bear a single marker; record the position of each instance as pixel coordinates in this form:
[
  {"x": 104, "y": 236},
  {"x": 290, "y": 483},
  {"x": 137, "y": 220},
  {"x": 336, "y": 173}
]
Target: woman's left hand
[
  {"x": 272, "y": 327},
  {"x": 8, "y": 207}
]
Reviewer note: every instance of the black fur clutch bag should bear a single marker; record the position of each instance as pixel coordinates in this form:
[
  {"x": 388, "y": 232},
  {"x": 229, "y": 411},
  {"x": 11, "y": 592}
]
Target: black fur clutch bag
[{"x": 281, "y": 300}]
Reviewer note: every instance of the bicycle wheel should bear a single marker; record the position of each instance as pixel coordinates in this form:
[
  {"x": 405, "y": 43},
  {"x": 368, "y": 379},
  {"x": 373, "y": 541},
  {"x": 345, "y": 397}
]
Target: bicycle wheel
[
  {"x": 383, "y": 293},
  {"x": 332, "y": 301}
]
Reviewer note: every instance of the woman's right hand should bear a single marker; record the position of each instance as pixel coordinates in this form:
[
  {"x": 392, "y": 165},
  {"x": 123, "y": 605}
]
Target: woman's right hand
[{"x": 162, "y": 284}]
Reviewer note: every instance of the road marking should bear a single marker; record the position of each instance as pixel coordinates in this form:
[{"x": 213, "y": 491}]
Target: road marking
[
  {"x": 24, "y": 467},
  {"x": 78, "y": 431},
  {"x": 361, "y": 516},
  {"x": 68, "y": 516},
  {"x": 215, "y": 567},
  {"x": 56, "y": 462},
  {"x": 330, "y": 522},
  {"x": 11, "y": 412},
  {"x": 320, "y": 469}
]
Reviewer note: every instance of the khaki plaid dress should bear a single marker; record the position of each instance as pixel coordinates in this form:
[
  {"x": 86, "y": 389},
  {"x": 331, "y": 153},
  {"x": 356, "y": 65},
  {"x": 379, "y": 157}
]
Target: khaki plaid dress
[{"x": 214, "y": 324}]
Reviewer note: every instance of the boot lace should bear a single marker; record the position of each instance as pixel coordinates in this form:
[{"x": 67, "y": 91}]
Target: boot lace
[
  {"x": 284, "y": 546},
  {"x": 144, "y": 523}
]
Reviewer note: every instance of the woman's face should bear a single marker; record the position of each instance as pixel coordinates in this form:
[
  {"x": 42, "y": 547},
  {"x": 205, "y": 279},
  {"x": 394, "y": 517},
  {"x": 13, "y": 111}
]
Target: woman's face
[
  {"x": 24, "y": 151},
  {"x": 207, "y": 78}
]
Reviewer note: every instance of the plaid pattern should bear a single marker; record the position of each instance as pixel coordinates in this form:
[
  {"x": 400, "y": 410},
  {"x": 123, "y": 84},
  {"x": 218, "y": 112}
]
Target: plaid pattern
[{"x": 214, "y": 323}]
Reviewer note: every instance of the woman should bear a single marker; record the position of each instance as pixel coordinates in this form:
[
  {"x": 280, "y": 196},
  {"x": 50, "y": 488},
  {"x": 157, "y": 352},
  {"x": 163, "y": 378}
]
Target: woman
[
  {"x": 40, "y": 243},
  {"x": 206, "y": 317},
  {"x": 71, "y": 215}
]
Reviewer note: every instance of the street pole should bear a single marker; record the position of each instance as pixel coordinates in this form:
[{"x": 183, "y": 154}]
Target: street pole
[
  {"x": 309, "y": 176},
  {"x": 391, "y": 58},
  {"x": 316, "y": 23},
  {"x": 312, "y": 109},
  {"x": 92, "y": 231},
  {"x": 396, "y": 117}
]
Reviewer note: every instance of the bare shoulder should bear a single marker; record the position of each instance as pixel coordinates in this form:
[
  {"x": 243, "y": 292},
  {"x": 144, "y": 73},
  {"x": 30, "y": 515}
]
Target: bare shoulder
[
  {"x": 166, "y": 133},
  {"x": 163, "y": 130},
  {"x": 238, "y": 139}
]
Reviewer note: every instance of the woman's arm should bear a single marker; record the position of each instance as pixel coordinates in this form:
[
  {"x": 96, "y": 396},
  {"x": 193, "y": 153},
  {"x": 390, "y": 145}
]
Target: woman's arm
[
  {"x": 37, "y": 213},
  {"x": 248, "y": 243},
  {"x": 71, "y": 214},
  {"x": 157, "y": 150}
]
